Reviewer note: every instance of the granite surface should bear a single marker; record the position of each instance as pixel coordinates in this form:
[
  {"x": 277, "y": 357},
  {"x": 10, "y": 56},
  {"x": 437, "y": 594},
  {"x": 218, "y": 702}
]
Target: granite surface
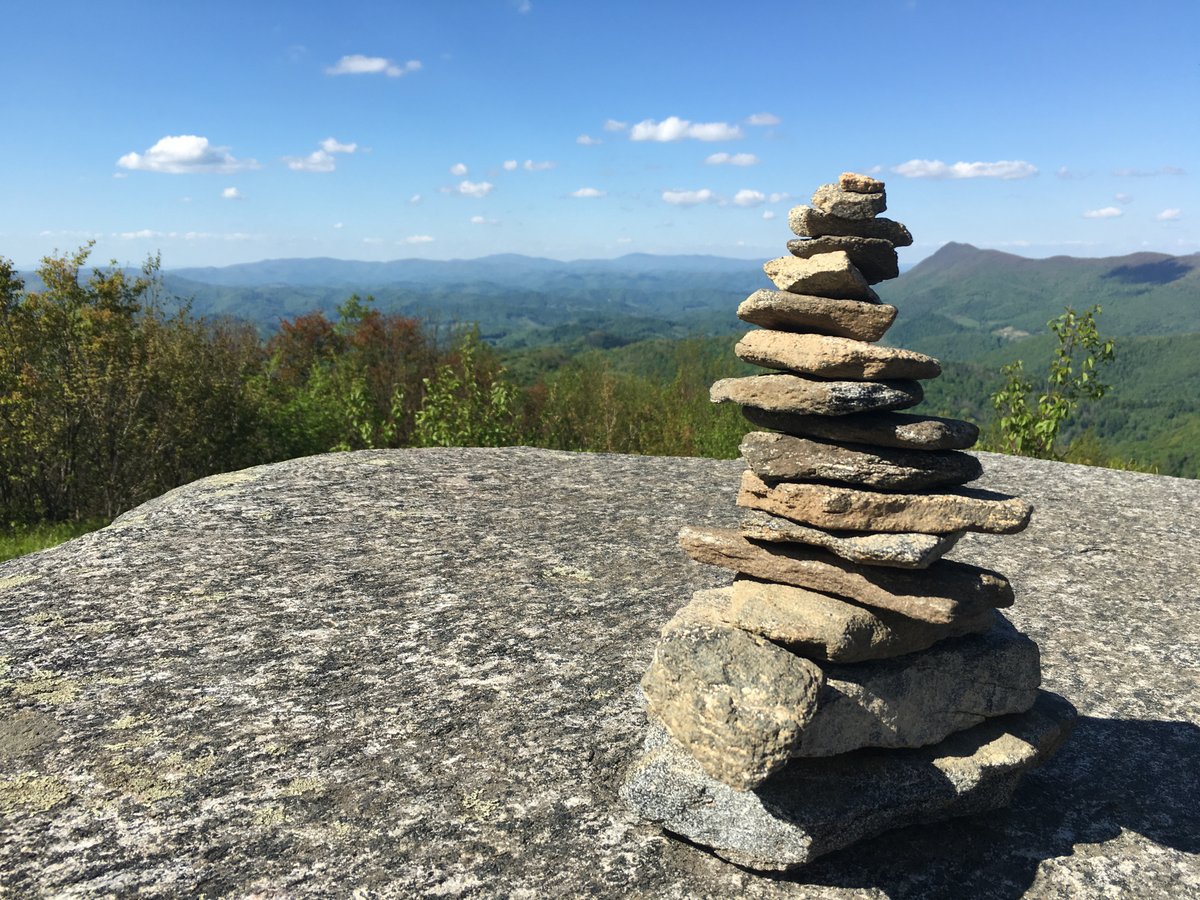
[{"x": 414, "y": 673}]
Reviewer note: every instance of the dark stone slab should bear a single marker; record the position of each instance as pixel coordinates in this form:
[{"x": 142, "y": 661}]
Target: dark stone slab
[{"x": 414, "y": 674}]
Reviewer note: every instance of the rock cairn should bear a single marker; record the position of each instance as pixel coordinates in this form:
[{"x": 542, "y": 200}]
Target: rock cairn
[{"x": 851, "y": 679}]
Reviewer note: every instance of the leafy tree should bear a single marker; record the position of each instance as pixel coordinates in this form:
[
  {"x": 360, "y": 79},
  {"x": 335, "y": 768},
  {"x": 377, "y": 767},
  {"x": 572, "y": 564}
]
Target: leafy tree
[{"x": 1030, "y": 421}]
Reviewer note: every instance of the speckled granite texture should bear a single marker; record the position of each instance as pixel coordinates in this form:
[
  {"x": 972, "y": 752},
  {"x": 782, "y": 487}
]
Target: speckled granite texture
[{"x": 413, "y": 673}]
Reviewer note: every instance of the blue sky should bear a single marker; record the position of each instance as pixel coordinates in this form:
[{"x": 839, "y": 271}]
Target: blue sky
[{"x": 228, "y": 132}]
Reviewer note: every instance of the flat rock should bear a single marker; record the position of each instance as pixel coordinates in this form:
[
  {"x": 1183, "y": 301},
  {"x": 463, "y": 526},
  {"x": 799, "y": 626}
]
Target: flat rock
[
  {"x": 833, "y": 200},
  {"x": 824, "y": 628},
  {"x": 734, "y": 699},
  {"x": 784, "y": 311},
  {"x": 414, "y": 673},
  {"x": 794, "y": 393},
  {"x": 771, "y": 455},
  {"x": 902, "y": 551},
  {"x": 815, "y": 806},
  {"x": 919, "y": 699},
  {"x": 944, "y": 593},
  {"x": 940, "y": 512},
  {"x": 825, "y": 274},
  {"x": 808, "y": 222},
  {"x": 825, "y": 356},
  {"x": 863, "y": 184},
  {"x": 881, "y": 429},
  {"x": 875, "y": 258}
]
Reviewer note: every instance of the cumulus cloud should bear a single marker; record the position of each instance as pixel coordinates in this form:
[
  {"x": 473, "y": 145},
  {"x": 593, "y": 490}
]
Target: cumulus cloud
[
  {"x": 614, "y": 125},
  {"x": 333, "y": 145},
  {"x": 779, "y": 197},
  {"x": 531, "y": 166},
  {"x": 585, "y": 192},
  {"x": 231, "y": 193},
  {"x": 1067, "y": 174},
  {"x": 763, "y": 118},
  {"x": 510, "y": 165},
  {"x": 458, "y": 169},
  {"x": 1108, "y": 212},
  {"x": 687, "y": 198},
  {"x": 674, "y": 128},
  {"x": 1168, "y": 215},
  {"x": 1124, "y": 199},
  {"x": 935, "y": 168},
  {"x": 357, "y": 64},
  {"x": 474, "y": 188},
  {"x": 414, "y": 199},
  {"x": 181, "y": 154},
  {"x": 317, "y": 161},
  {"x": 746, "y": 197},
  {"x": 588, "y": 141},
  {"x": 768, "y": 214},
  {"x": 732, "y": 159},
  {"x": 417, "y": 239},
  {"x": 481, "y": 220}
]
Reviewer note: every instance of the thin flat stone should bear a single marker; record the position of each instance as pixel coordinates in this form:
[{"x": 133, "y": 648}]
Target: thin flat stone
[
  {"x": 875, "y": 257},
  {"x": 794, "y": 393},
  {"x": 882, "y": 429},
  {"x": 945, "y": 592},
  {"x": 833, "y": 200},
  {"x": 862, "y": 184},
  {"x": 735, "y": 700},
  {"x": 771, "y": 455},
  {"x": 785, "y": 311},
  {"x": 824, "y": 628},
  {"x": 825, "y": 274},
  {"x": 920, "y": 698},
  {"x": 901, "y": 551},
  {"x": 815, "y": 806},
  {"x": 808, "y": 222},
  {"x": 825, "y": 356},
  {"x": 940, "y": 512}
]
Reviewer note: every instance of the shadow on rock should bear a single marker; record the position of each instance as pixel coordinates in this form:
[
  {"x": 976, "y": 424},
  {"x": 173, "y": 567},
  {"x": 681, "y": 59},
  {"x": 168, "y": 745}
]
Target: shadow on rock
[{"x": 1112, "y": 774}]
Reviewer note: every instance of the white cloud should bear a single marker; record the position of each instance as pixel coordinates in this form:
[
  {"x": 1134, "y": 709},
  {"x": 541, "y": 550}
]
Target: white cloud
[
  {"x": 935, "y": 168},
  {"x": 1108, "y": 212},
  {"x": 746, "y": 197},
  {"x": 588, "y": 141},
  {"x": 231, "y": 193},
  {"x": 1168, "y": 215},
  {"x": 185, "y": 153},
  {"x": 138, "y": 235},
  {"x": 732, "y": 159},
  {"x": 458, "y": 169},
  {"x": 332, "y": 145},
  {"x": 510, "y": 165},
  {"x": 524, "y": 7},
  {"x": 417, "y": 239},
  {"x": 531, "y": 166},
  {"x": 481, "y": 220},
  {"x": 1067, "y": 174},
  {"x": 624, "y": 240},
  {"x": 674, "y": 128},
  {"x": 768, "y": 214},
  {"x": 614, "y": 125},
  {"x": 474, "y": 188},
  {"x": 120, "y": 174},
  {"x": 357, "y": 64},
  {"x": 763, "y": 118},
  {"x": 414, "y": 199},
  {"x": 317, "y": 161},
  {"x": 585, "y": 192},
  {"x": 779, "y": 197},
  {"x": 339, "y": 225},
  {"x": 146, "y": 233},
  {"x": 687, "y": 198}
]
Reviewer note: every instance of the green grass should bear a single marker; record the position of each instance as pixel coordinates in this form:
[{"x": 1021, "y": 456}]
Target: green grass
[{"x": 17, "y": 540}]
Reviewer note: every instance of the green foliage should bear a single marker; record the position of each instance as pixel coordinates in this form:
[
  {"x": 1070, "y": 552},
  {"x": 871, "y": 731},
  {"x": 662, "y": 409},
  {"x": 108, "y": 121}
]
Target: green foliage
[
  {"x": 21, "y": 539},
  {"x": 1031, "y": 427},
  {"x": 467, "y": 403}
]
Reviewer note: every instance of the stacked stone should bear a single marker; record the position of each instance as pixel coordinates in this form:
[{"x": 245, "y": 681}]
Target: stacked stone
[{"x": 845, "y": 628}]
